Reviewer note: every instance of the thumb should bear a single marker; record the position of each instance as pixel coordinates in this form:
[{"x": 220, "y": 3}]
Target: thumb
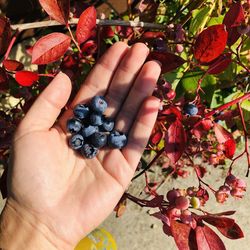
[{"x": 47, "y": 107}]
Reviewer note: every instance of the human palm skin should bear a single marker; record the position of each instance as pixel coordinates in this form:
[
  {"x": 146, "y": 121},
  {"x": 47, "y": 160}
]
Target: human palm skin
[{"x": 53, "y": 186}]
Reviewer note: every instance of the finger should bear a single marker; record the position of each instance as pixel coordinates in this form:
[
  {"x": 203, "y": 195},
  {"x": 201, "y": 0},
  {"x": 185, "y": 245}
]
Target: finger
[
  {"x": 47, "y": 107},
  {"x": 124, "y": 77},
  {"x": 100, "y": 76},
  {"x": 143, "y": 87},
  {"x": 140, "y": 131},
  {"x": 98, "y": 79}
]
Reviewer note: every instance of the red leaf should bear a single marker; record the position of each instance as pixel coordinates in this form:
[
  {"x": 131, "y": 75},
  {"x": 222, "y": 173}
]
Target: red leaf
[
  {"x": 161, "y": 217},
  {"x": 86, "y": 24},
  {"x": 175, "y": 141},
  {"x": 5, "y": 34},
  {"x": 57, "y": 9},
  {"x": 148, "y": 35},
  {"x": 218, "y": 221},
  {"x": 3, "y": 77},
  {"x": 168, "y": 60},
  {"x": 230, "y": 147},
  {"x": 50, "y": 48},
  {"x": 171, "y": 113},
  {"x": 26, "y": 78},
  {"x": 12, "y": 65},
  {"x": 220, "y": 64},
  {"x": 210, "y": 43},
  {"x": 200, "y": 171},
  {"x": 156, "y": 137},
  {"x": 155, "y": 202},
  {"x": 201, "y": 128},
  {"x": 166, "y": 229},
  {"x": 235, "y": 15},
  {"x": 233, "y": 232},
  {"x": 221, "y": 133},
  {"x": 207, "y": 239},
  {"x": 231, "y": 212},
  {"x": 180, "y": 233},
  {"x": 233, "y": 18}
]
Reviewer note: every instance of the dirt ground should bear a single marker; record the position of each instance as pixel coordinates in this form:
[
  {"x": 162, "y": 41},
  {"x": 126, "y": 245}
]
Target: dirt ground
[{"x": 136, "y": 230}]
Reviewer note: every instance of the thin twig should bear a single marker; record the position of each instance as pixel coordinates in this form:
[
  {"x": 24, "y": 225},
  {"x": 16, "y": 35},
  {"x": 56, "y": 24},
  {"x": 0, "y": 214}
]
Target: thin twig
[
  {"x": 100, "y": 22},
  {"x": 245, "y": 136},
  {"x": 73, "y": 38},
  {"x": 150, "y": 164}
]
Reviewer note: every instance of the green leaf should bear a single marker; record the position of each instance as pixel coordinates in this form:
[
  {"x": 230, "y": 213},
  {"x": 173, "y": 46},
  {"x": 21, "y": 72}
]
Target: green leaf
[
  {"x": 173, "y": 77},
  {"x": 199, "y": 17},
  {"x": 189, "y": 82},
  {"x": 215, "y": 20}
]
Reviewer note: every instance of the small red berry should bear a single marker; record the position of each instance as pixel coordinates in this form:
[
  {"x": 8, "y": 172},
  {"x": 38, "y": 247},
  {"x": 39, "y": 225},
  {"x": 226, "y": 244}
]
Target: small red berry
[
  {"x": 191, "y": 191},
  {"x": 174, "y": 213},
  {"x": 230, "y": 179},
  {"x": 172, "y": 195},
  {"x": 237, "y": 193},
  {"x": 182, "y": 203},
  {"x": 221, "y": 196},
  {"x": 179, "y": 48},
  {"x": 224, "y": 189},
  {"x": 171, "y": 94},
  {"x": 186, "y": 217}
]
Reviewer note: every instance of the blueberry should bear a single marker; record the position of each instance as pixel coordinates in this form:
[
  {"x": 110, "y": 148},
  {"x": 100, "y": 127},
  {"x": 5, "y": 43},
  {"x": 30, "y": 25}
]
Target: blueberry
[
  {"x": 76, "y": 141},
  {"x": 98, "y": 104},
  {"x": 98, "y": 139},
  {"x": 108, "y": 125},
  {"x": 117, "y": 140},
  {"x": 89, "y": 151},
  {"x": 190, "y": 109},
  {"x": 81, "y": 111},
  {"x": 74, "y": 125},
  {"x": 96, "y": 119},
  {"x": 89, "y": 130}
]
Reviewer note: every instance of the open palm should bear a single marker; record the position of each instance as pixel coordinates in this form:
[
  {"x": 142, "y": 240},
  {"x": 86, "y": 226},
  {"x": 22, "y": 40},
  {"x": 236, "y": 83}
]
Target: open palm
[{"x": 71, "y": 195}]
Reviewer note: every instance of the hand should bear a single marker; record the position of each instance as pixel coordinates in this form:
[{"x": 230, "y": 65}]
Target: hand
[{"x": 63, "y": 194}]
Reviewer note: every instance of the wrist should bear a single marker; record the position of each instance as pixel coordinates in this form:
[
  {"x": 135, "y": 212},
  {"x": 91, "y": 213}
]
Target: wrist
[{"x": 20, "y": 229}]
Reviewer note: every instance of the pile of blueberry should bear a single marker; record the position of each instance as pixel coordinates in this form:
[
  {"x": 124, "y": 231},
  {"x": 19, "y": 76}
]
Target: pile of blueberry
[{"x": 91, "y": 130}]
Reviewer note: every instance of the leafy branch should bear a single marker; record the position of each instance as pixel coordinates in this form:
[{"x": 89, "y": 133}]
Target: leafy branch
[{"x": 100, "y": 22}]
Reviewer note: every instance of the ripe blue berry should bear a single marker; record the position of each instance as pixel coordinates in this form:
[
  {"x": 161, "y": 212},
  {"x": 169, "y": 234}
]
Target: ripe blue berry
[
  {"x": 81, "y": 111},
  {"x": 190, "y": 109},
  {"x": 117, "y": 140},
  {"x": 89, "y": 130},
  {"x": 96, "y": 119},
  {"x": 98, "y": 139},
  {"x": 98, "y": 104},
  {"x": 108, "y": 125},
  {"x": 76, "y": 141},
  {"x": 74, "y": 125},
  {"x": 89, "y": 151}
]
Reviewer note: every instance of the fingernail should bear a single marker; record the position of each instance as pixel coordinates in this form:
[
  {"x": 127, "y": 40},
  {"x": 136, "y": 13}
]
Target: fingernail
[{"x": 158, "y": 62}]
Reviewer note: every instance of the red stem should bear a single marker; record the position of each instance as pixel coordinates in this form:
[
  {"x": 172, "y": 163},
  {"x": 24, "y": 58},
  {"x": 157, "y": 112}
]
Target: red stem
[
  {"x": 47, "y": 75},
  {"x": 11, "y": 45},
  {"x": 245, "y": 137},
  {"x": 227, "y": 105}
]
